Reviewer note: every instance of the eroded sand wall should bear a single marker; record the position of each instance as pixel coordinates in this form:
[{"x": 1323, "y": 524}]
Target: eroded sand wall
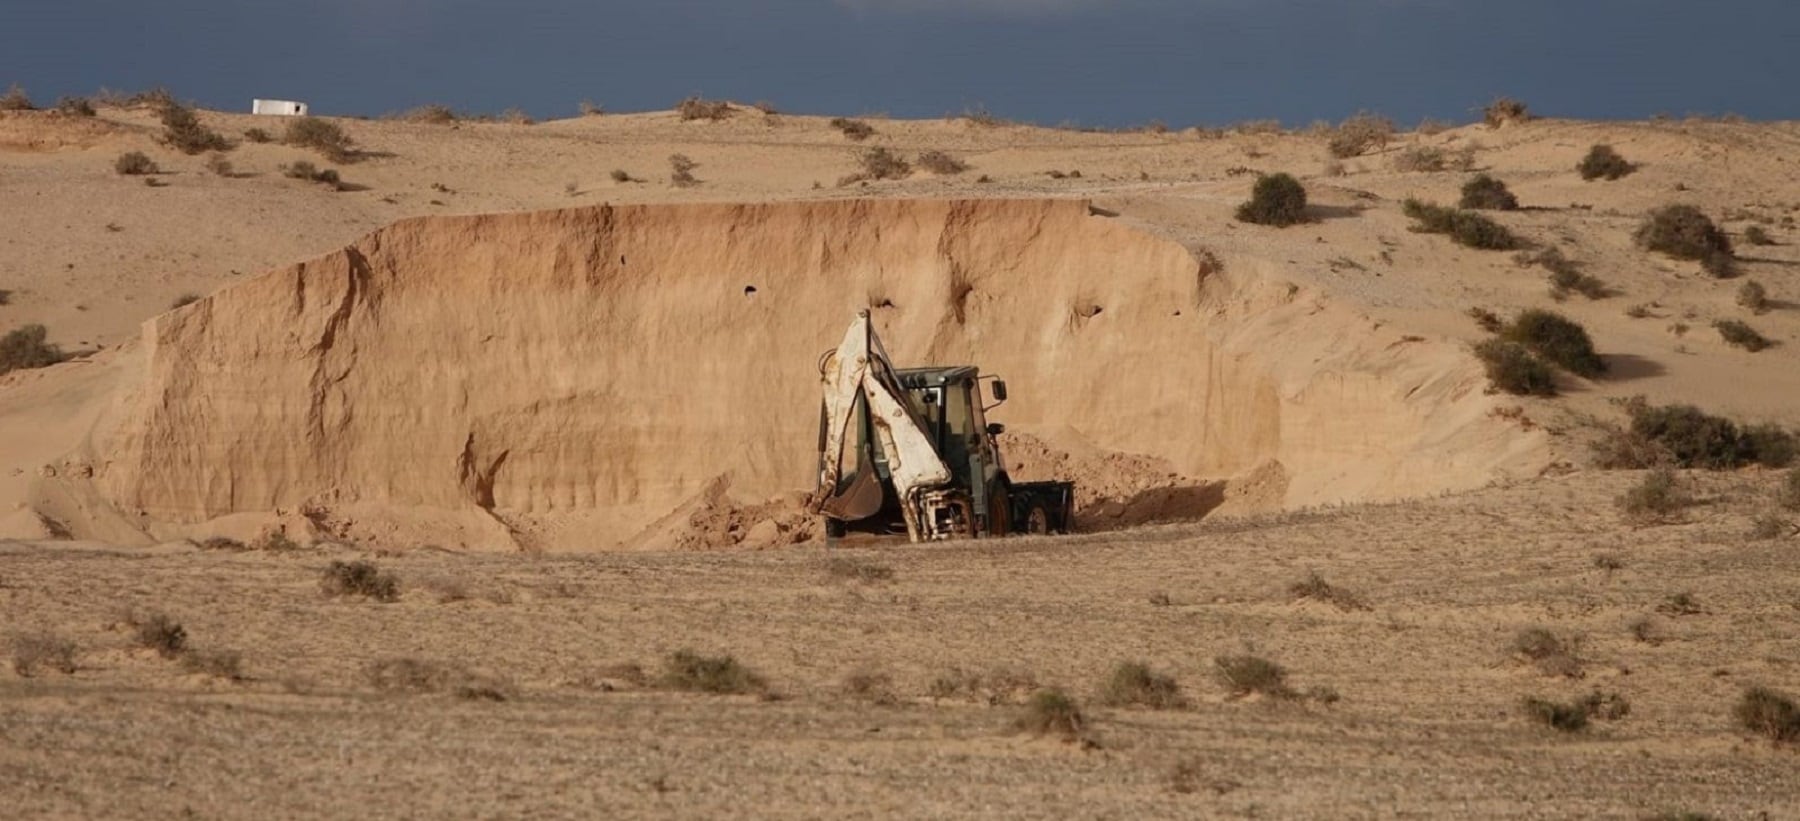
[{"x": 603, "y": 365}]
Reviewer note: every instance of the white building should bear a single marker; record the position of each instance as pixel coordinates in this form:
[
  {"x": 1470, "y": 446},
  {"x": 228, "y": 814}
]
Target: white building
[{"x": 285, "y": 108}]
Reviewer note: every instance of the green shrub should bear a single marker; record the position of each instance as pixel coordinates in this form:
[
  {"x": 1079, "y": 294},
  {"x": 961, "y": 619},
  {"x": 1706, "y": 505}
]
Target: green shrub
[
  {"x": 1770, "y": 713},
  {"x": 1682, "y": 232},
  {"x": 1557, "y": 339},
  {"x": 1656, "y": 498},
  {"x": 1464, "y": 227},
  {"x": 1740, "y": 335},
  {"x": 323, "y": 136},
  {"x": 359, "y": 578},
  {"x": 692, "y": 672},
  {"x": 856, "y": 130},
  {"x": 1602, "y": 162},
  {"x": 1244, "y": 675},
  {"x": 1276, "y": 199},
  {"x": 1485, "y": 192},
  {"x": 24, "y": 347},
  {"x": 695, "y": 108},
  {"x": 1753, "y": 296},
  {"x": 183, "y": 132},
  {"x": 1358, "y": 134},
  {"x": 134, "y": 163},
  {"x": 1513, "y": 369},
  {"x": 1052, "y": 712},
  {"x": 1133, "y": 683}
]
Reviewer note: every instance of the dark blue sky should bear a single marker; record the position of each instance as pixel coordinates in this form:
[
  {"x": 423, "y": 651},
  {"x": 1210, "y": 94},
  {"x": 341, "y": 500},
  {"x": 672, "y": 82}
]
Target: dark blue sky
[{"x": 1097, "y": 62}]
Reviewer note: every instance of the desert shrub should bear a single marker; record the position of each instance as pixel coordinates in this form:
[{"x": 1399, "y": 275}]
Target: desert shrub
[
  {"x": 1485, "y": 192},
  {"x": 1569, "y": 718},
  {"x": 36, "y": 652},
  {"x": 359, "y": 578},
  {"x": 222, "y": 543},
  {"x": 621, "y": 175},
  {"x": 1603, "y": 163},
  {"x": 881, "y": 164},
  {"x": 1557, "y": 339},
  {"x": 1768, "y": 526},
  {"x": 1133, "y": 683},
  {"x": 24, "y": 347},
  {"x": 856, "y": 130},
  {"x": 681, "y": 171},
  {"x": 133, "y": 163},
  {"x": 1755, "y": 235},
  {"x": 184, "y": 299},
  {"x": 1316, "y": 588},
  {"x": 1485, "y": 319},
  {"x": 1430, "y": 126},
  {"x": 183, "y": 132},
  {"x": 1719, "y": 265},
  {"x": 156, "y": 631},
  {"x": 1769, "y": 445},
  {"x": 1683, "y": 232},
  {"x": 1358, "y": 134},
  {"x": 304, "y": 170},
  {"x": 75, "y": 106},
  {"x": 1512, "y": 368},
  {"x": 217, "y": 164},
  {"x": 1505, "y": 110},
  {"x": 277, "y": 541},
  {"x": 589, "y": 108},
  {"x": 405, "y": 675},
  {"x": 1246, "y": 674},
  {"x": 871, "y": 686},
  {"x": 696, "y": 108},
  {"x": 221, "y": 664},
  {"x": 1656, "y": 498},
  {"x": 1551, "y": 654},
  {"x": 1563, "y": 281},
  {"x": 1788, "y": 496},
  {"x": 1052, "y": 712},
  {"x": 689, "y": 671},
  {"x": 257, "y": 135},
  {"x": 517, "y": 116},
  {"x": 1754, "y": 296},
  {"x": 323, "y": 136},
  {"x": 1769, "y": 713},
  {"x": 840, "y": 567},
  {"x": 1420, "y": 158},
  {"x": 16, "y": 100},
  {"x": 1740, "y": 335},
  {"x": 1680, "y": 604},
  {"x": 1463, "y": 227},
  {"x": 1693, "y": 438},
  {"x": 1275, "y": 199},
  {"x": 937, "y": 162}
]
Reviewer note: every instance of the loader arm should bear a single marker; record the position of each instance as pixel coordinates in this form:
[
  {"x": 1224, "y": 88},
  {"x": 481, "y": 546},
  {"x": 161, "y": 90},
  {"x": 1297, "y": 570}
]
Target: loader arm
[{"x": 860, "y": 368}]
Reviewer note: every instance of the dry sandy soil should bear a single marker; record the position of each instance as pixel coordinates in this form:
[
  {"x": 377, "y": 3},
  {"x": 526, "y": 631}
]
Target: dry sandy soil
[
  {"x": 1321, "y": 369},
  {"x": 1428, "y": 721}
]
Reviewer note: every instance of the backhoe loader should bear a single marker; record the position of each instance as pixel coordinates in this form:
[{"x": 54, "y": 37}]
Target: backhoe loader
[{"x": 910, "y": 450}]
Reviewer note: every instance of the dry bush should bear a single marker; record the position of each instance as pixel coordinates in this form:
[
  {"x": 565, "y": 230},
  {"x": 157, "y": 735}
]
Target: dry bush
[
  {"x": 681, "y": 171},
  {"x": 1052, "y": 712},
  {"x": 1316, "y": 588},
  {"x": 359, "y": 578},
  {"x": 589, "y": 108},
  {"x": 841, "y": 567},
  {"x": 1687, "y": 437},
  {"x": 1551, "y": 654},
  {"x": 305, "y": 170},
  {"x": 75, "y": 107},
  {"x": 1358, "y": 134},
  {"x": 856, "y": 130},
  {"x": 1486, "y": 193},
  {"x": 620, "y": 175},
  {"x": 1659, "y": 496},
  {"x": 1505, "y": 110},
  {"x": 1755, "y": 235},
  {"x": 24, "y": 347},
  {"x": 517, "y": 117},
  {"x": 257, "y": 135},
  {"x": 881, "y": 164},
  {"x": 1246, "y": 674},
  {"x": 1512, "y": 368},
  {"x": 937, "y": 162},
  {"x": 1769, "y": 713},
  {"x": 871, "y": 686},
  {"x": 999, "y": 686},
  {"x": 1276, "y": 199},
  {"x": 220, "y": 664},
  {"x": 156, "y": 631},
  {"x": 432, "y": 113},
  {"x": 182, "y": 131},
  {"x": 405, "y": 675},
  {"x": 691, "y": 672},
  {"x": 1769, "y": 526},
  {"x": 323, "y": 136},
  {"x": 1645, "y": 630},
  {"x": 16, "y": 100},
  {"x": 1430, "y": 126},
  {"x": 1487, "y": 320},
  {"x": 1683, "y": 232},
  {"x": 696, "y": 108},
  {"x": 1465, "y": 228},
  {"x": 1680, "y": 604},
  {"x": 1133, "y": 683},
  {"x": 277, "y": 541},
  {"x": 1565, "y": 274},
  {"x": 1603, "y": 163},
  {"x": 134, "y": 163},
  {"x": 1740, "y": 335},
  {"x": 36, "y": 652},
  {"x": 1569, "y": 718},
  {"x": 1420, "y": 158},
  {"x": 217, "y": 164},
  {"x": 1558, "y": 339}
]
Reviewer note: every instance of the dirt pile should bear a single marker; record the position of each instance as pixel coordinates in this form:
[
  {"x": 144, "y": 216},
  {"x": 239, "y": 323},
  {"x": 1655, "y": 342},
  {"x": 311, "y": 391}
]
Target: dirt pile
[{"x": 566, "y": 379}]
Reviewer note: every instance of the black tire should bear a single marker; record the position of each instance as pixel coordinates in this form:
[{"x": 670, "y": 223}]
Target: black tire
[{"x": 1036, "y": 521}]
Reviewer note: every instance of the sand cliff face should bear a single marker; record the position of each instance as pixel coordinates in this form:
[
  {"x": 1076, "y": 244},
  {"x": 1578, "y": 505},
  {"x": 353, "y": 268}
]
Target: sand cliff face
[{"x": 565, "y": 379}]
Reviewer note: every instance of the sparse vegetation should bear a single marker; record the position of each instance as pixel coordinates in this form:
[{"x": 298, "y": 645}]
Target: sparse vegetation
[
  {"x": 305, "y": 170},
  {"x": 1512, "y": 368},
  {"x": 1505, "y": 110},
  {"x": 1558, "y": 339},
  {"x": 881, "y": 164},
  {"x": 1683, "y": 232},
  {"x": 1569, "y": 718},
  {"x": 1133, "y": 683},
  {"x": 1052, "y": 712},
  {"x": 405, "y": 675},
  {"x": 16, "y": 100},
  {"x": 1464, "y": 227},
  {"x": 937, "y": 162},
  {"x": 1687, "y": 437},
  {"x": 1788, "y": 496},
  {"x": 219, "y": 664},
  {"x": 620, "y": 175},
  {"x": 1551, "y": 654},
  {"x": 1656, "y": 498},
  {"x": 33, "y": 653},
  {"x": 359, "y": 578},
  {"x": 1276, "y": 199},
  {"x": 856, "y": 130},
  {"x": 257, "y": 135},
  {"x": 681, "y": 171},
  {"x": 183, "y": 132},
  {"x": 134, "y": 163},
  {"x": 1316, "y": 588},
  {"x": 1485, "y": 192},
  {"x": 75, "y": 107},
  {"x": 696, "y": 108},
  {"x": 1770, "y": 713},
  {"x": 1755, "y": 235},
  {"x": 156, "y": 631},
  {"x": 24, "y": 347},
  {"x": 1359, "y": 134},
  {"x": 1769, "y": 526},
  {"x": 1603, "y": 163},
  {"x": 1739, "y": 334},
  {"x": 1246, "y": 674},
  {"x": 1680, "y": 604},
  {"x": 1485, "y": 319},
  {"x": 431, "y": 113},
  {"x": 691, "y": 672},
  {"x": 840, "y": 567},
  {"x": 323, "y": 136},
  {"x": 217, "y": 164},
  {"x": 589, "y": 108},
  {"x": 1420, "y": 158}
]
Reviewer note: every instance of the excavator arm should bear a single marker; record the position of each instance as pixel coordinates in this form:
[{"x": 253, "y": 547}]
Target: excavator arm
[{"x": 857, "y": 376}]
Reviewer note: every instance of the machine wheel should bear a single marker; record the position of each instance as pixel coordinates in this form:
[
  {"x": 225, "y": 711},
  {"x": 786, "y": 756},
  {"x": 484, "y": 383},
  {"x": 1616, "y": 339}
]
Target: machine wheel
[{"x": 1037, "y": 519}]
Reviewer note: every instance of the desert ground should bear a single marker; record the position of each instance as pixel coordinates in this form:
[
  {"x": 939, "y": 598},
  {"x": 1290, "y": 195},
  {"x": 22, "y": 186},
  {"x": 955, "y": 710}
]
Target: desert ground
[{"x": 565, "y": 405}]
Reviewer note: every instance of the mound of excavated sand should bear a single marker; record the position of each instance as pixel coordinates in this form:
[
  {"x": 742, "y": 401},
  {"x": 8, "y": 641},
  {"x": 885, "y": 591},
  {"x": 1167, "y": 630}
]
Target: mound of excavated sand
[{"x": 610, "y": 376}]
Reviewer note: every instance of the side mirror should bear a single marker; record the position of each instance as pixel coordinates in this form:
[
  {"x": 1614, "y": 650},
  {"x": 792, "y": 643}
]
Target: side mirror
[
  {"x": 999, "y": 390},
  {"x": 995, "y": 428}
]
